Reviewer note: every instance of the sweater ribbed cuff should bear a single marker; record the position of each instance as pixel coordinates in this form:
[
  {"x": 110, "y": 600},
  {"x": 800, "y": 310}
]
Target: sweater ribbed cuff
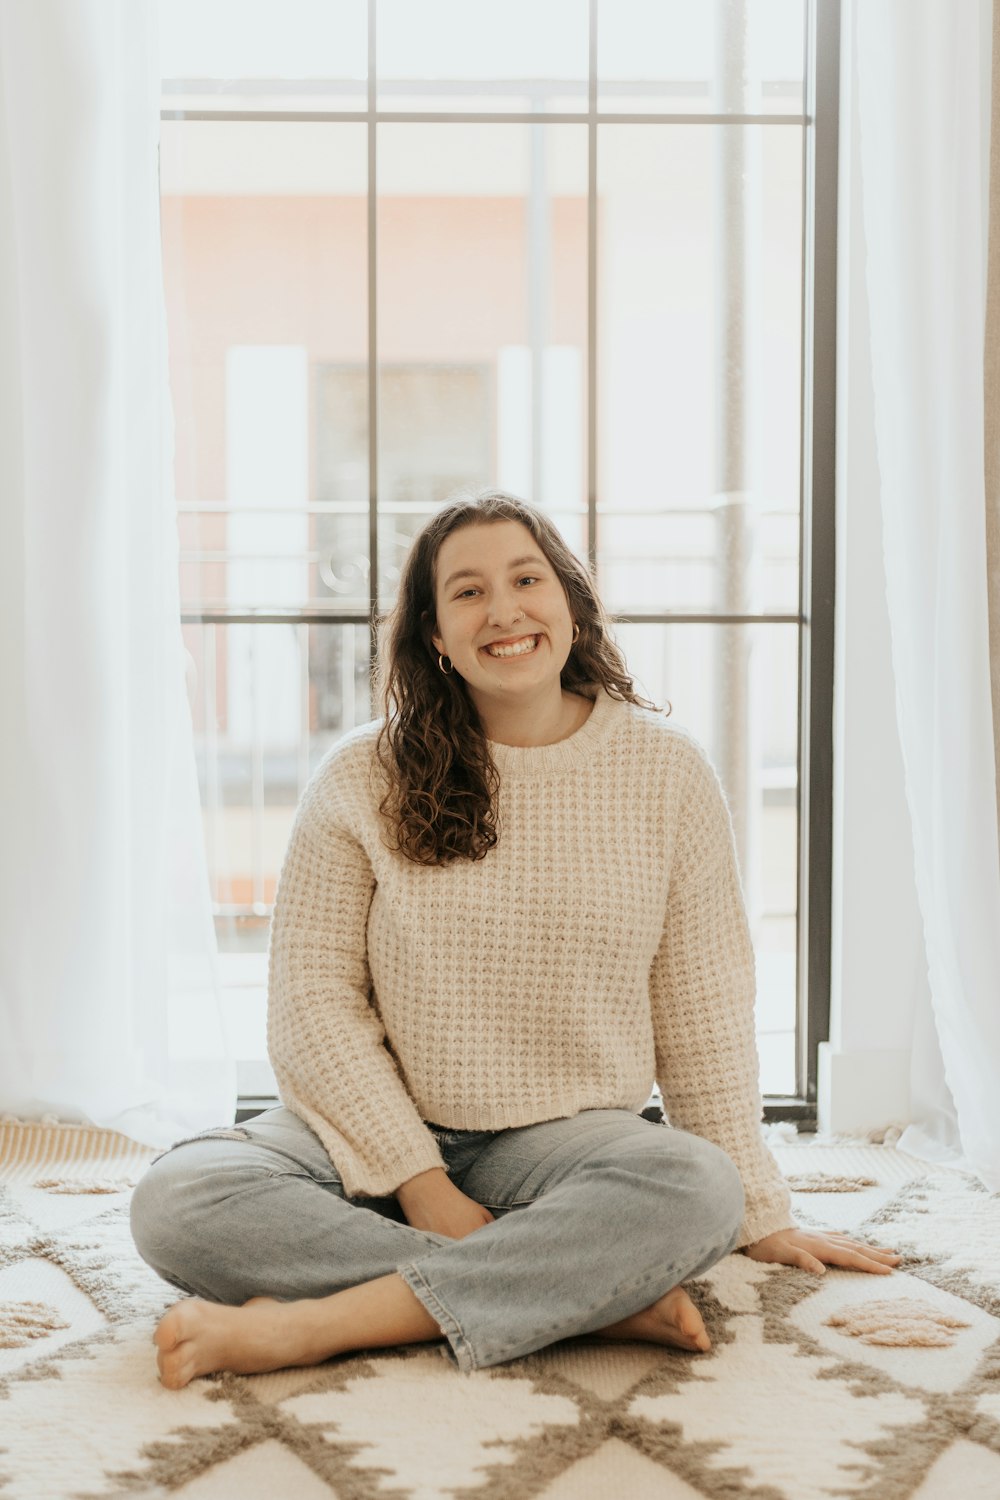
[
  {"x": 365, "y": 1178},
  {"x": 760, "y": 1226}
]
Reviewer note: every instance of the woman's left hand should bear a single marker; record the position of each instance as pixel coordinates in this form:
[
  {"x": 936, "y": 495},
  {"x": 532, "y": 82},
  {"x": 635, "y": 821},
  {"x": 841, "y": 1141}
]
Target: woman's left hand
[{"x": 810, "y": 1248}]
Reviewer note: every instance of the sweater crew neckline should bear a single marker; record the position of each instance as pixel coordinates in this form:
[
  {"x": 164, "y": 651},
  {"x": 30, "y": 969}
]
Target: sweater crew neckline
[{"x": 524, "y": 762}]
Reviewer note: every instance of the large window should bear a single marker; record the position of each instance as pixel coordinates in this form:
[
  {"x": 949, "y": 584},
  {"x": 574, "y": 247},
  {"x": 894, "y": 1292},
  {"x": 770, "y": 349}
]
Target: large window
[{"x": 566, "y": 246}]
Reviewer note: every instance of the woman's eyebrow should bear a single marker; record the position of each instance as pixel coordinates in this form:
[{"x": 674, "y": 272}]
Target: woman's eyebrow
[{"x": 518, "y": 562}]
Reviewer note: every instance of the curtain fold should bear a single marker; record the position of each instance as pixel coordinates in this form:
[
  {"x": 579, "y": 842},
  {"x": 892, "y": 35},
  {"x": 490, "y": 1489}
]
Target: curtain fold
[
  {"x": 991, "y": 381},
  {"x": 923, "y": 75},
  {"x": 109, "y": 1000}
]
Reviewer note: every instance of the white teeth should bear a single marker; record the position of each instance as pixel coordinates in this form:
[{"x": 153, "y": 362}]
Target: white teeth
[{"x": 518, "y": 648}]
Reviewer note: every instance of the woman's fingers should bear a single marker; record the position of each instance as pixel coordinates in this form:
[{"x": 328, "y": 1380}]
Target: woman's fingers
[
  {"x": 861, "y": 1262},
  {"x": 858, "y": 1244},
  {"x": 851, "y": 1254},
  {"x": 863, "y": 1259},
  {"x": 814, "y": 1250},
  {"x": 852, "y": 1244},
  {"x": 875, "y": 1252}
]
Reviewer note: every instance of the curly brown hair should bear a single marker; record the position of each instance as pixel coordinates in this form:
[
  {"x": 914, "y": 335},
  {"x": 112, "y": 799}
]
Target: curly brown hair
[{"x": 441, "y": 802}]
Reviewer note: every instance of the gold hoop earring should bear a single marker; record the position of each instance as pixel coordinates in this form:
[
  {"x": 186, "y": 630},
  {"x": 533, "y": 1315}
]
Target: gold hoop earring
[
  {"x": 447, "y": 670},
  {"x": 576, "y": 633}
]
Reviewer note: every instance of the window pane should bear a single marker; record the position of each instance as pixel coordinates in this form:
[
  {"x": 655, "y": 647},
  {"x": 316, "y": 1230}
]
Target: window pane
[
  {"x": 265, "y": 270},
  {"x": 675, "y": 57},
  {"x": 482, "y": 322},
  {"x": 722, "y": 556},
  {"x": 481, "y": 303},
  {"x": 267, "y": 702},
  {"x": 735, "y": 687},
  {"x": 699, "y": 290},
  {"x": 473, "y": 55},
  {"x": 253, "y": 54}
]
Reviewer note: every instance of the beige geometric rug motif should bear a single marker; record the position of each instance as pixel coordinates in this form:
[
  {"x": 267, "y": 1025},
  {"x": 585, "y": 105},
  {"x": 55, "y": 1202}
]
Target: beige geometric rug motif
[
  {"x": 86, "y": 1184},
  {"x": 20, "y": 1322},
  {"x": 899, "y": 1322},
  {"x": 815, "y": 1182},
  {"x": 817, "y": 1388}
]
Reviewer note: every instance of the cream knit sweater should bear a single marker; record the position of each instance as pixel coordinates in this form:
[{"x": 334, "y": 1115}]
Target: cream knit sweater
[{"x": 601, "y": 943}]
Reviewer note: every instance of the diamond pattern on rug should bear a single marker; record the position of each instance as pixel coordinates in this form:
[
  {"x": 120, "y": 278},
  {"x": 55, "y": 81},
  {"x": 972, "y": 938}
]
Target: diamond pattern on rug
[
  {"x": 47, "y": 1212},
  {"x": 788, "y": 1404},
  {"x": 261, "y": 1473},
  {"x": 763, "y": 1431},
  {"x": 844, "y": 1294},
  {"x": 965, "y": 1470},
  {"x": 599, "y": 1369},
  {"x": 449, "y": 1430},
  {"x": 82, "y": 1427},
  {"x": 737, "y": 1282},
  {"x": 102, "y": 1259},
  {"x": 71, "y": 1313},
  {"x": 950, "y": 1225},
  {"x": 832, "y": 1210},
  {"x": 617, "y": 1469}
]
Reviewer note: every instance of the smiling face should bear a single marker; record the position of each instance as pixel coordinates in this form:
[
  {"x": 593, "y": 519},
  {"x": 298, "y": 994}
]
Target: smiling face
[{"x": 502, "y": 614}]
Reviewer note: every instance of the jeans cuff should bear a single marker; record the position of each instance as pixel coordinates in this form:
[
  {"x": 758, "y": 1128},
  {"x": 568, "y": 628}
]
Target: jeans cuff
[{"x": 459, "y": 1344}]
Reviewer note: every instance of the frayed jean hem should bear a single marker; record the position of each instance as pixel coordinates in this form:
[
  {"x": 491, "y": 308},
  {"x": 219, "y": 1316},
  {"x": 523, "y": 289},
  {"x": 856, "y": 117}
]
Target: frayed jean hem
[
  {"x": 624, "y": 1301},
  {"x": 458, "y": 1346}
]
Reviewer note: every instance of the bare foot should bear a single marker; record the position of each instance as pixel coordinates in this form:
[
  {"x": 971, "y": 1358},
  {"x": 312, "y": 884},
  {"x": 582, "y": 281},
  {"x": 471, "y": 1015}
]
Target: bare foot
[
  {"x": 195, "y": 1337},
  {"x": 673, "y": 1319}
]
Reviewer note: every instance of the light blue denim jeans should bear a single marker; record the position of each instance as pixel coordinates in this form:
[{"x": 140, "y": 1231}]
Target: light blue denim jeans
[{"x": 595, "y": 1217}]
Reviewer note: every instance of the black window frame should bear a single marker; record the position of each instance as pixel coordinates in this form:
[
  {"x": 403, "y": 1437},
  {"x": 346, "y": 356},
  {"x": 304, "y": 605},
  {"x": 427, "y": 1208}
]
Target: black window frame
[{"x": 815, "y": 619}]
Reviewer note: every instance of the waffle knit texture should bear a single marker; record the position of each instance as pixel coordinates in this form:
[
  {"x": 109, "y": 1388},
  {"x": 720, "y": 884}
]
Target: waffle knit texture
[{"x": 603, "y": 942}]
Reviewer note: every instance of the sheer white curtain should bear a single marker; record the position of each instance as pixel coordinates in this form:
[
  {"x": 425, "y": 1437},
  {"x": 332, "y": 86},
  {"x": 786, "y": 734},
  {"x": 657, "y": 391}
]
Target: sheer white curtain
[
  {"x": 923, "y": 75},
  {"x": 109, "y": 1005}
]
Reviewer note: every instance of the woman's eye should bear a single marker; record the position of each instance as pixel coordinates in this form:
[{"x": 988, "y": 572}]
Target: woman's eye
[{"x": 526, "y": 578}]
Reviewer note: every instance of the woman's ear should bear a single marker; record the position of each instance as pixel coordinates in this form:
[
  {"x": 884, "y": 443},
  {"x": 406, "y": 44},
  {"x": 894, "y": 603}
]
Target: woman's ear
[{"x": 430, "y": 626}]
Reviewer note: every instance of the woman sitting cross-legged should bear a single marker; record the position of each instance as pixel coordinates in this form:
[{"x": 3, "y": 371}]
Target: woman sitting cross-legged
[{"x": 506, "y": 908}]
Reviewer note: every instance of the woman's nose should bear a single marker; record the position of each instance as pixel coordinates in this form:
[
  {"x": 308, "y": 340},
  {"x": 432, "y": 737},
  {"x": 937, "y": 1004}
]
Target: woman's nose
[{"x": 505, "y": 611}]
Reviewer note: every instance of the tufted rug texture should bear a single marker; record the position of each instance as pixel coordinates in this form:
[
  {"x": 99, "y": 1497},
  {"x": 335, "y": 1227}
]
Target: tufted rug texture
[{"x": 872, "y": 1387}]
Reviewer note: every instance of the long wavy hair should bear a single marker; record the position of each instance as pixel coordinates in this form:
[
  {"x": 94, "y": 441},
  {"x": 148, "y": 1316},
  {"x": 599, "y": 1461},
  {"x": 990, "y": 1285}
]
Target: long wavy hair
[{"x": 441, "y": 801}]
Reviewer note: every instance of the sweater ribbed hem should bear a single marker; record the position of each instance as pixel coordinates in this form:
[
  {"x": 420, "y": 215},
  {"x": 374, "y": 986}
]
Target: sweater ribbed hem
[
  {"x": 368, "y": 1179},
  {"x": 501, "y": 1116}
]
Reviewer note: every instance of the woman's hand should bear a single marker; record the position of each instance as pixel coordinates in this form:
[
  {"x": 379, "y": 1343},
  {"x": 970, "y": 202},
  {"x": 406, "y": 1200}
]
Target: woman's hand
[
  {"x": 432, "y": 1201},
  {"x": 810, "y": 1248}
]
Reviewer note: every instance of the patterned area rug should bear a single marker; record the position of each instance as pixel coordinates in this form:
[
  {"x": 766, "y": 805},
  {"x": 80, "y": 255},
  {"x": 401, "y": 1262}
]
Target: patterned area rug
[{"x": 872, "y": 1387}]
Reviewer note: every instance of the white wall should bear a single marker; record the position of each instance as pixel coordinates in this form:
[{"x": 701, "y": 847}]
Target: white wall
[{"x": 879, "y": 967}]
